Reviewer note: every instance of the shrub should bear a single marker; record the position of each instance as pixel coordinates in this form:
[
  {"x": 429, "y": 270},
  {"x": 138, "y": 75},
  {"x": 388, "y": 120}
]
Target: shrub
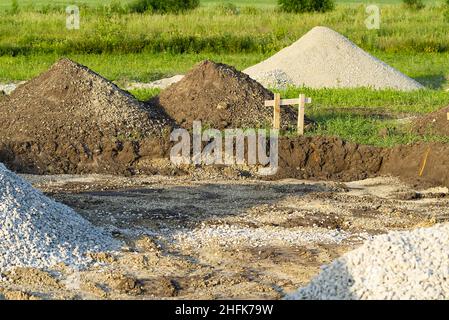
[
  {"x": 251, "y": 10},
  {"x": 163, "y": 6},
  {"x": 15, "y": 7},
  {"x": 298, "y": 6},
  {"x": 414, "y": 4}
]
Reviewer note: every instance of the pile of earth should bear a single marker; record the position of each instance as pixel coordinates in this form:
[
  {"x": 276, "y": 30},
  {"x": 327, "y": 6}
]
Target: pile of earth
[
  {"x": 420, "y": 164},
  {"x": 39, "y": 232},
  {"x": 327, "y": 158},
  {"x": 435, "y": 123},
  {"x": 398, "y": 265},
  {"x": 220, "y": 97},
  {"x": 72, "y": 120},
  {"x": 323, "y": 58}
]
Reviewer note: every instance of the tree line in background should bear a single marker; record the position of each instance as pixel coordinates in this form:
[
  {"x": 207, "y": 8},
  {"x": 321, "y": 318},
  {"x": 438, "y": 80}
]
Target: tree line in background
[
  {"x": 178, "y": 6},
  {"x": 182, "y": 6}
]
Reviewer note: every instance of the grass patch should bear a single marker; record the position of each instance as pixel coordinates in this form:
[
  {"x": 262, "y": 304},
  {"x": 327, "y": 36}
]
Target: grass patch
[
  {"x": 429, "y": 69},
  {"x": 389, "y": 102},
  {"x": 362, "y": 115},
  {"x": 144, "y": 94},
  {"x": 262, "y": 31}
]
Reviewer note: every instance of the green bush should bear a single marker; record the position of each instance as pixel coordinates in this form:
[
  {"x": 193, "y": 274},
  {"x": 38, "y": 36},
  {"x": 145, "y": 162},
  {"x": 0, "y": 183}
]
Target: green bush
[
  {"x": 414, "y": 4},
  {"x": 163, "y": 6},
  {"x": 15, "y": 7},
  {"x": 298, "y": 6}
]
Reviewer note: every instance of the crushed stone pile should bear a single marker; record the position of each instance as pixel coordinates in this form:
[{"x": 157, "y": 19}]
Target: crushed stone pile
[
  {"x": 398, "y": 265},
  {"x": 435, "y": 123},
  {"x": 323, "y": 58},
  {"x": 72, "y": 120},
  {"x": 221, "y": 97},
  {"x": 39, "y": 232}
]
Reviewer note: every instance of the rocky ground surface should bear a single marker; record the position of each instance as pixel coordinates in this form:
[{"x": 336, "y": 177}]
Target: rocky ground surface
[{"x": 214, "y": 238}]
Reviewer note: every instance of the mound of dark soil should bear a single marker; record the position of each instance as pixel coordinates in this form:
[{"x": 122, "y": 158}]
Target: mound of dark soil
[
  {"x": 421, "y": 164},
  {"x": 327, "y": 158},
  {"x": 435, "y": 123},
  {"x": 71, "y": 120},
  {"x": 221, "y": 97}
]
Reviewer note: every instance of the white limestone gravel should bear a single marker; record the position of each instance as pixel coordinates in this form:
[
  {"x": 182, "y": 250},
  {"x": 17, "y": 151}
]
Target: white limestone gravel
[
  {"x": 323, "y": 58},
  {"x": 36, "y": 231},
  {"x": 398, "y": 265},
  {"x": 158, "y": 84},
  {"x": 8, "y": 88},
  {"x": 232, "y": 236}
]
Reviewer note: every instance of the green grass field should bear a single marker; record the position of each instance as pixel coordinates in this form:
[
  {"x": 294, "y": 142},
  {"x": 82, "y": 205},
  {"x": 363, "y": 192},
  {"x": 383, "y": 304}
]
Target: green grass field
[{"x": 132, "y": 47}]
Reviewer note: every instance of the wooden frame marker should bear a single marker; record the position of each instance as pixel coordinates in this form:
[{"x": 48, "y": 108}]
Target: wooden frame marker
[
  {"x": 278, "y": 102},
  {"x": 277, "y": 111}
]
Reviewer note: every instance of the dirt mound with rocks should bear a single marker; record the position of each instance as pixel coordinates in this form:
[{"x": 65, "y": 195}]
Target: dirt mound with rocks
[
  {"x": 435, "y": 123},
  {"x": 221, "y": 97},
  {"x": 39, "y": 232},
  {"x": 72, "y": 120},
  {"x": 323, "y": 58}
]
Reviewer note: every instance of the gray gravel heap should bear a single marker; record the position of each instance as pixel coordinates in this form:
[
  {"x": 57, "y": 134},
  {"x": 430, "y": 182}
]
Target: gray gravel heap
[
  {"x": 323, "y": 58},
  {"x": 398, "y": 265},
  {"x": 36, "y": 231}
]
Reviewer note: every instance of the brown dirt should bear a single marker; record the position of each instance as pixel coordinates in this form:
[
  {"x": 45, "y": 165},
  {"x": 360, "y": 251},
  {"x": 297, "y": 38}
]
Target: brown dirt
[
  {"x": 435, "y": 123},
  {"x": 327, "y": 158},
  {"x": 407, "y": 162},
  {"x": 70, "y": 119},
  {"x": 221, "y": 97},
  {"x": 335, "y": 159}
]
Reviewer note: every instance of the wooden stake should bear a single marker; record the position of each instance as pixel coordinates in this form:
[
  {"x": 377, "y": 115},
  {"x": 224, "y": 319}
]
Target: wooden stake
[
  {"x": 301, "y": 112},
  {"x": 424, "y": 162},
  {"x": 277, "y": 111}
]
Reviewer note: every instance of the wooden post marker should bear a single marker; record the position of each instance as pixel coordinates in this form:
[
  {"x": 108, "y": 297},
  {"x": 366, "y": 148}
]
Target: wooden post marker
[
  {"x": 278, "y": 102},
  {"x": 301, "y": 112},
  {"x": 277, "y": 111}
]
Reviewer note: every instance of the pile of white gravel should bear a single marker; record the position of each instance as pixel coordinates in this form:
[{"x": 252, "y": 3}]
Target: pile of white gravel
[
  {"x": 36, "y": 231},
  {"x": 323, "y": 58},
  {"x": 398, "y": 265}
]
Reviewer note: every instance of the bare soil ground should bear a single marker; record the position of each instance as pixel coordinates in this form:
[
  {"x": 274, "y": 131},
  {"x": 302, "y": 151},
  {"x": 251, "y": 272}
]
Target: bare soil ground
[{"x": 219, "y": 238}]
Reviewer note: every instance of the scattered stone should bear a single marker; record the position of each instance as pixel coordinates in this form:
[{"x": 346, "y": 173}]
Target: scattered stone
[{"x": 158, "y": 84}]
